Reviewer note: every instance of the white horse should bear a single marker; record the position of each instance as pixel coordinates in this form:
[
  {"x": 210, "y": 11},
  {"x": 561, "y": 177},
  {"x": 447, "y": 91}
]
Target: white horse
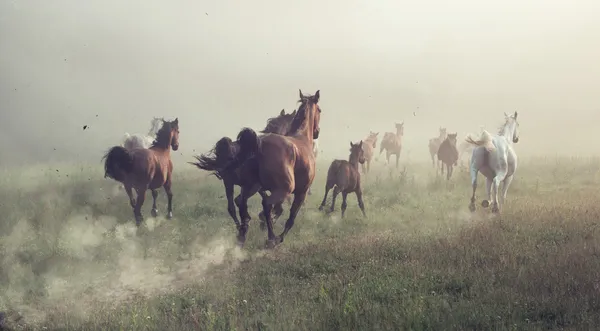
[
  {"x": 496, "y": 159},
  {"x": 143, "y": 141}
]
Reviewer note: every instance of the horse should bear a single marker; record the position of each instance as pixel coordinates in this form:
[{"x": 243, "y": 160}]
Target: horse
[
  {"x": 369, "y": 145},
  {"x": 345, "y": 177},
  {"x": 434, "y": 145},
  {"x": 392, "y": 143},
  {"x": 142, "y": 169},
  {"x": 447, "y": 154},
  {"x": 496, "y": 159},
  {"x": 142, "y": 141},
  {"x": 225, "y": 152},
  {"x": 280, "y": 164}
]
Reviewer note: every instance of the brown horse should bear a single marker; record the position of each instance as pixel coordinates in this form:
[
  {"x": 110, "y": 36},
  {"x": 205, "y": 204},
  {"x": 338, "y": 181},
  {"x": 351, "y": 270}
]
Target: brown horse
[
  {"x": 344, "y": 175},
  {"x": 448, "y": 154},
  {"x": 226, "y": 151},
  {"x": 142, "y": 169},
  {"x": 370, "y": 143},
  {"x": 434, "y": 145},
  {"x": 392, "y": 143},
  {"x": 280, "y": 164}
]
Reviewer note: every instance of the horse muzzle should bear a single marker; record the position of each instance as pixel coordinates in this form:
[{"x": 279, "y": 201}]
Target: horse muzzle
[
  {"x": 516, "y": 140},
  {"x": 175, "y": 147},
  {"x": 316, "y": 134}
]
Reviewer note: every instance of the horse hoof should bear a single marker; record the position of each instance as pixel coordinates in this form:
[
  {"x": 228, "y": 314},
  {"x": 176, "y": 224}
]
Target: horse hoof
[
  {"x": 138, "y": 221},
  {"x": 154, "y": 212},
  {"x": 261, "y": 216},
  {"x": 485, "y": 203},
  {"x": 321, "y": 208},
  {"x": 263, "y": 225},
  {"x": 472, "y": 207},
  {"x": 170, "y": 215}
]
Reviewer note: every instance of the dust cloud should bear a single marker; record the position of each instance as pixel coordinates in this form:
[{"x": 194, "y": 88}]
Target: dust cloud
[
  {"x": 95, "y": 266},
  {"x": 219, "y": 66}
]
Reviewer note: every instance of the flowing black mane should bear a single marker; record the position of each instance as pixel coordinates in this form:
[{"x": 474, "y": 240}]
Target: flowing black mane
[
  {"x": 163, "y": 136},
  {"x": 280, "y": 124}
]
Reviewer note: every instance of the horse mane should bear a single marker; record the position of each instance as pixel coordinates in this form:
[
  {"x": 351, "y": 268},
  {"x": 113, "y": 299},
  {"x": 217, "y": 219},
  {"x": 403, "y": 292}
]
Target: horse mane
[
  {"x": 278, "y": 124},
  {"x": 163, "y": 136},
  {"x": 300, "y": 114}
]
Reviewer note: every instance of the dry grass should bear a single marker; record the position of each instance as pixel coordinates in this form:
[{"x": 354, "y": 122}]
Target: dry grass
[{"x": 70, "y": 258}]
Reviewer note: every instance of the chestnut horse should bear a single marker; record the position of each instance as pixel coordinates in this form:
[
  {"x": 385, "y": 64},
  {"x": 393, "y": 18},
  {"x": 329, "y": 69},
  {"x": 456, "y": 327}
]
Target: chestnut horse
[
  {"x": 434, "y": 145},
  {"x": 344, "y": 175},
  {"x": 225, "y": 152},
  {"x": 369, "y": 145},
  {"x": 447, "y": 154},
  {"x": 142, "y": 169},
  {"x": 392, "y": 143},
  {"x": 280, "y": 164}
]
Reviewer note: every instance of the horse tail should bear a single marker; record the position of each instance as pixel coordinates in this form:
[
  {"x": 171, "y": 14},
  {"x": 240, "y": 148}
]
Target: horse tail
[
  {"x": 484, "y": 140},
  {"x": 119, "y": 162},
  {"x": 217, "y": 158},
  {"x": 249, "y": 144}
]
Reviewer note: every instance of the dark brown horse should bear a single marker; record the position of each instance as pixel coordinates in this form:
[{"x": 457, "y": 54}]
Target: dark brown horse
[
  {"x": 448, "y": 154},
  {"x": 280, "y": 164},
  {"x": 226, "y": 151},
  {"x": 344, "y": 175},
  {"x": 142, "y": 169},
  {"x": 392, "y": 143}
]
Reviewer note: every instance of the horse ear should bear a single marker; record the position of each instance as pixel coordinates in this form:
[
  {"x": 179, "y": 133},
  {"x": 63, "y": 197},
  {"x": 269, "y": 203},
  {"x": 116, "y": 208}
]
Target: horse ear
[
  {"x": 294, "y": 112},
  {"x": 301, "y": 95},
  {"x": 351, "y": 144},
  {"x": 360, "y": 144},
  {"x": 505, "y": 115},
  {"x": 282, "y": 112},
  {"x": 516, "y": 115},
  {"x": 317, "y": 96},
  {"x": 176, "y": 121}
]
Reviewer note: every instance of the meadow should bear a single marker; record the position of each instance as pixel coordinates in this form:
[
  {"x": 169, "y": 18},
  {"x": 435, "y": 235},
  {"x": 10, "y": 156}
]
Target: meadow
[{"x": 70, "y": 257}]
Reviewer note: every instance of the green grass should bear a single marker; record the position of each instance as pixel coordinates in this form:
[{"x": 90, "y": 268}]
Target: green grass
[{"x": 70, "y": 259}]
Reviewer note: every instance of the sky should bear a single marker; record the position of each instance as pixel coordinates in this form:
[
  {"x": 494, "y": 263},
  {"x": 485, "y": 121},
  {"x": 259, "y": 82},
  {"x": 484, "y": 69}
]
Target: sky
[{"x": 222, "y": 65}]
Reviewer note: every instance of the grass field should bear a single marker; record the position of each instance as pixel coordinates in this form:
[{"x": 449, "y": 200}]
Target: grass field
[{"x": 70, "y": 258}]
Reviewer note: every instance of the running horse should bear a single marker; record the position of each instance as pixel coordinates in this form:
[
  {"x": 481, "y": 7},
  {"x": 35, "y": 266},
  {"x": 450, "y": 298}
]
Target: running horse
[
  {"x": 368, "y": 145},
  {"x": 496, "y": 159},
  {"x": 283, "y": 165},
  {"x": 434, "y": 145},
  {"x": 447, "y": 154},
  {"x": 225, "y": 152},
  {"x": 141, "y": 169},
  {"x": 392, "y": 143}
]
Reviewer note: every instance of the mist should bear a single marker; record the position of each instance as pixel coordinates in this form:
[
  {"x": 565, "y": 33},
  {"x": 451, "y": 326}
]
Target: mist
[{"x": 220, "y": 66}]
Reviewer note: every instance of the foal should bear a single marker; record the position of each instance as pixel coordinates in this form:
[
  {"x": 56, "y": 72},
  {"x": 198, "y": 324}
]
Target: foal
[{"x": 344, "y": 175}]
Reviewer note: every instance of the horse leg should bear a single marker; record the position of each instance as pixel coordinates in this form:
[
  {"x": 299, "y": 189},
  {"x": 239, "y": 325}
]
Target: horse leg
[
  {"x": 336, "y": 191},
  {"x": 267, "y": 208},
  {"x": 154, "y": 211},
  {"x": 298, "y": 201},
  {"x": 488, "y": 188},
  {"x": 441, "y": 169},
  {"x": 449, "y": 170},
  {"x": 344, "y": 203},
  {"x": 230, "y": 203},
  {"x": 137, "y": 210},
  {"x": 474, "y": 172},
  {"x": 432, "y": 159},
  {"x": 242, "y": 202},
  {"x": 129, "y": 191},
  {"x": 495, "y": 186},
  {"x": 505, "y": 185},
  {"x": 167, "y": 187},
  {"x": 327, "y": 188},
  {"x": 387, "y": 156},
  {"x": 398, "y": 159},
  {"x": 361, "y": 204}
]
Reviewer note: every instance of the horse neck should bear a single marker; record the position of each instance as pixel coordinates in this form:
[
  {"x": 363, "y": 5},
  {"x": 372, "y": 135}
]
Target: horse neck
[
  {"x": 353, "y": 160},
  {"x": 163, "y": 147},
  {"x": 306, "y": 128},
  {"x": 398, "y": 133},
  {"x": 508, "y": 131}
]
